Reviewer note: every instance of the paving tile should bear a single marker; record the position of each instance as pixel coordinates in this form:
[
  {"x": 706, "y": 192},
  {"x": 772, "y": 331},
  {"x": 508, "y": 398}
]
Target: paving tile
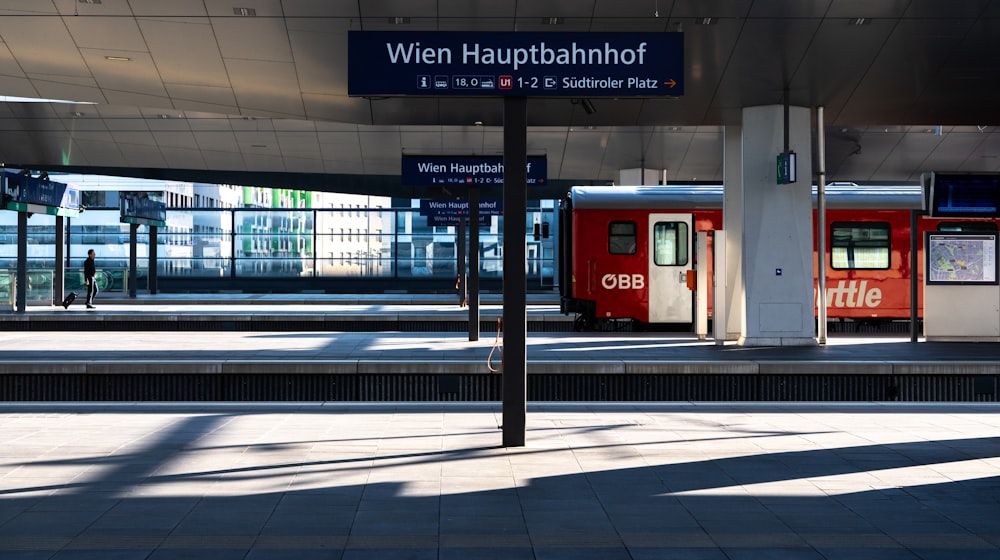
[{"x": 694, "y": 481}]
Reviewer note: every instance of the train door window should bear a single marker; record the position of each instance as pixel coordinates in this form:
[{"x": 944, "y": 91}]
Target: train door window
[
  {"x": 971, "y": 227},
  {"x": 859, "y": 245},
  {"x": 670, "y": 244},
  {"x": 621, "y": 238}
]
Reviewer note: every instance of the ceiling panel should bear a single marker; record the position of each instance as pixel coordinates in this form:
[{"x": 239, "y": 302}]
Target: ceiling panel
[
  {"x": 837, "y": 60},
  {"x": 118, "y": 34},
  {"x": 269, "y": 92},
  {"x": 256, "y": 94},
  {"x": 953, "y": 151},
  {"x": 789, "y": 9},
  {"x": 321, "y": 69},
  {"x": 142, "y": 155},
  {"x": 182, "y": 158},
  {"x": 212, "y": 99},
  {"x": 302, "y": 144},
  {"x": 852, "y": 9},
  {"x": 729, "y": 9},
  {"x": 195, "y": 60},
  {"x": 137, "y": 75},
  {"x": 384, "y": 9},
  {"x": 475, "y": 9},
  {"x": 746, "y": 81},
  {"x": 311, "y": 9},
  {"x": 55, "y": 87},
  {"x": 56, "y": 55},
  {"x": 217, "y": 141},
  {"x": 224, "y": 160},
  {"x": 304, "y": 165},
  {"x": 582, "y": 154},
  {"x": 20, "y": 7},
  {"x": 257, "y": 38},
  {"x": 903, "y": 69},
  {"x": 557, "y": 8},
  {"x": 133, "y": 137},
  {"x": 158, "y": 8}
]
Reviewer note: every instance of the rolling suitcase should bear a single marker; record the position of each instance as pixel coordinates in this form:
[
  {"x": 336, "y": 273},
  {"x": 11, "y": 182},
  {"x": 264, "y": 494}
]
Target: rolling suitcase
[{"x": 70, "y": 298}]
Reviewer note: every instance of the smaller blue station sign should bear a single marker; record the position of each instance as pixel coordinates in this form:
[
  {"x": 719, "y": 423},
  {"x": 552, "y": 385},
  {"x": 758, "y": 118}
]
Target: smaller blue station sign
[
  {"x": 470, "y": 171},
  {"x": 444, "y": 208}
]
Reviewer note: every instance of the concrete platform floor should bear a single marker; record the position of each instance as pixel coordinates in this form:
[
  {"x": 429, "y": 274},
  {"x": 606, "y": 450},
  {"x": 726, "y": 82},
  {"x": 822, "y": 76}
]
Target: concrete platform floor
[{"x": 635, "y": 481}]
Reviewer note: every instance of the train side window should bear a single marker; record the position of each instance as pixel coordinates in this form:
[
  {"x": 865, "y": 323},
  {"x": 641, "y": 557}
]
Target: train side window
[
  {"x": 973, "y": 227},
  {"x": 859, "y": 245},
  {"x": 670, "y": 243},
  {"x": 621, "y": 238}
]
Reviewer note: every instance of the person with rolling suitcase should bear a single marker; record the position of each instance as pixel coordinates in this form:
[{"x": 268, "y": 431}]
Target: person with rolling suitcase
[{"x": 89, "y": 273}]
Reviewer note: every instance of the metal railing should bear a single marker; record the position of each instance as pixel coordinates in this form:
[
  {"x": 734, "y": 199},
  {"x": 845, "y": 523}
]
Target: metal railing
[{"x": 41, "y": 283}]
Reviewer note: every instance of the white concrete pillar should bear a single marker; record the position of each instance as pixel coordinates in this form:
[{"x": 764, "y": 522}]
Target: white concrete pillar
[
  {"x": 731, "y": 281},
  {"x": 777, "y": 231}
]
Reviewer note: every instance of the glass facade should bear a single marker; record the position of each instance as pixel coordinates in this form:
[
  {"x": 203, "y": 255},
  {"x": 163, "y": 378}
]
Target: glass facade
[{"x": 254, "y": 243}]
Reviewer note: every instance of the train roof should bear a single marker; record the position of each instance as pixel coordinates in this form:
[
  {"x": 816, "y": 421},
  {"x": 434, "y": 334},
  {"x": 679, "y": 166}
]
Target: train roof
[{"x": 709, "y": 197}]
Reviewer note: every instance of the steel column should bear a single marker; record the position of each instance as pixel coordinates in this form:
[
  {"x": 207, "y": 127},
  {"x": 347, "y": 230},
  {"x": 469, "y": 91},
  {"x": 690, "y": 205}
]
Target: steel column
[
  {"x": 515, "y": 366},
  {"x": 132, "y": 260},
  {"x": 473, "y": 264}
]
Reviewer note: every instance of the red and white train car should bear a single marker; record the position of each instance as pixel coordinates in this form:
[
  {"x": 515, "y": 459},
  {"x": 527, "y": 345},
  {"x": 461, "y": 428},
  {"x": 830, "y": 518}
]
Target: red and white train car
[{"x": 629, "y": 250}]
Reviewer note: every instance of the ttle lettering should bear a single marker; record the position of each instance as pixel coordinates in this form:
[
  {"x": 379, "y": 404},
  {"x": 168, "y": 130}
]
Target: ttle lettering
[{"x": 852, "y": 294}]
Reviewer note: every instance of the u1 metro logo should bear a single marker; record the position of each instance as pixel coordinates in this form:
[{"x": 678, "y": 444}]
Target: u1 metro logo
[{"x": 623, "y": 281}]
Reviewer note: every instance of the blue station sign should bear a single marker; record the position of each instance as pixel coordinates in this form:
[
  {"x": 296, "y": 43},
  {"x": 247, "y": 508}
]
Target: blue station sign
[
  {"x": 443, "y": 208},
  {"x": 453, "y": 63},
  {"x": 24, "y": 193},
  {"x": 138, "y": 208},
  {"x": 471, "y": 171}
]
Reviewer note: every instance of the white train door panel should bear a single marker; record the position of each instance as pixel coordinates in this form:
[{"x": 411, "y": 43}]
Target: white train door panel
[{"x": 670, "y": 259}]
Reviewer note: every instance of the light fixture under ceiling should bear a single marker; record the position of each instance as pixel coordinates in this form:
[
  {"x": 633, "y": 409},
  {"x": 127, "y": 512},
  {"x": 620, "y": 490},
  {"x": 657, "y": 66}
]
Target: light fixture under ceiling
[
  {"x": 118, "y": 58},
  {"x": 245, "y": 12},
  {"x": 553, "y": 21}
]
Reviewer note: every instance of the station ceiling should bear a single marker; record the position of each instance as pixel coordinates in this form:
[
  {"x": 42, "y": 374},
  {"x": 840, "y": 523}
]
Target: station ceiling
[{"x": 255, "y": 91}]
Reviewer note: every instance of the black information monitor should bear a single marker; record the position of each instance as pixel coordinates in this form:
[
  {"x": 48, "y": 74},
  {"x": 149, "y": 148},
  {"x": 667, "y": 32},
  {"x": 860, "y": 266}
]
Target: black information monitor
[{"x": 963, "y": 195}]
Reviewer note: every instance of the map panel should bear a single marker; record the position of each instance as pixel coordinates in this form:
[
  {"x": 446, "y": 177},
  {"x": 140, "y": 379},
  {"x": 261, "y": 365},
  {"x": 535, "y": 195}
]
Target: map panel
[{"x": 961, "y": 259}]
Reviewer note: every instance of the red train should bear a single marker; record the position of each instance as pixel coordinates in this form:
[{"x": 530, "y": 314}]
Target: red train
[{"x": 629, "y": 250}]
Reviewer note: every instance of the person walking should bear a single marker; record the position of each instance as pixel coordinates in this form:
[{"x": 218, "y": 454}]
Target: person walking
[{"x": 89, "y": 273}]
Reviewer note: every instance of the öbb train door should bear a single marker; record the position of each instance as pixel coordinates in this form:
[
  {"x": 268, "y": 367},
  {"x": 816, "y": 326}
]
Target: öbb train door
[{"x": 670, "y": 259}]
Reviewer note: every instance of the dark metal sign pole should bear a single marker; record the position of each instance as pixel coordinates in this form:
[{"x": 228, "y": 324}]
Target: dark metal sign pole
[
  {"x": 21, "y": 298},
  {"x": 151, "y": 267},
  {"x": 460, "y": 281},
  {"x": 132, "y": 258},
  {"x": 59, "y": 275},
  {"x": 473, "y": 264},
  {"x": 515, "y": 182}
]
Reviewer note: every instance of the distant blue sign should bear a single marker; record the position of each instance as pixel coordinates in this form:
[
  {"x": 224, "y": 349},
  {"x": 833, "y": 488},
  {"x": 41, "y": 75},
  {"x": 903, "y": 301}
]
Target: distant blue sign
[
  {"x": 459, "y": 207},
  {"x": 140, "y": 209},
  {"x": 422, "y": 171},
  {"x": 444, "y": 63},
  {"x": 443, "y": 221},
  {"x": 21, "y": 190}
]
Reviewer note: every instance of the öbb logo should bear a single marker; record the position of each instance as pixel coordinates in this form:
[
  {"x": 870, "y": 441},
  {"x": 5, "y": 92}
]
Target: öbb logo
[{"x": 623, "y": 281}]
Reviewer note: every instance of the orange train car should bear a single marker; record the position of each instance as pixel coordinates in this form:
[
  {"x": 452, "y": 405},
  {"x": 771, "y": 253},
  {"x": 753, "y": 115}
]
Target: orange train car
[{"x": 626, "y": 252}]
